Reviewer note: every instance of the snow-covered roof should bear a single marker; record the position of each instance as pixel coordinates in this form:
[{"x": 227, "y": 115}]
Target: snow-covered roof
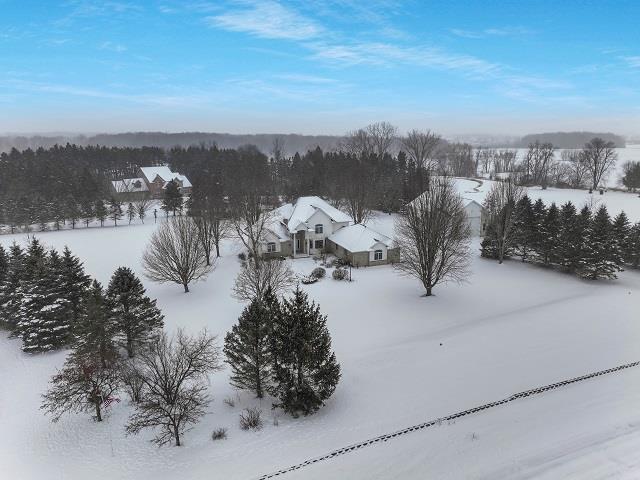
[
  {"x": 359, "y": 238},
  {"x": 165, "y": 174},
  {"x": 304, "y": 208},
  {"x": 127, "y": 185},
  {"x": 468, "y": 201}
]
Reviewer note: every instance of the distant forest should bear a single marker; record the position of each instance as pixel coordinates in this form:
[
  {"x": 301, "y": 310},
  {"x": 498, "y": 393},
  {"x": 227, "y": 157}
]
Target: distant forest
[
  {"x": 570, "y": 139},
  {"x": 291, "y": 143}
]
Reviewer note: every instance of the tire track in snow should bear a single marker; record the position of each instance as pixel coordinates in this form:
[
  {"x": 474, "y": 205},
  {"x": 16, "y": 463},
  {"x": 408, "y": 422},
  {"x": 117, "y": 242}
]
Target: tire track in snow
[{"x": 439, "y": 421}]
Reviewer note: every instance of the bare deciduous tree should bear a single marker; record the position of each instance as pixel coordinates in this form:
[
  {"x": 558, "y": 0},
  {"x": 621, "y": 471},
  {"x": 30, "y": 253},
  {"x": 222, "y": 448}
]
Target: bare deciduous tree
[
  {"x": 142, "y": 207},
  {"x": 420, "y": 147},
  {"x": 256, "y": 277},
  {"x": 211, "y": 231},
  {"x": 83, "y": 385},
  {"x": 576, "y": 169},
  {"x": 174, "y": 373},
  {"x": 175, "y": 253},
  {"x": 250, "y": 221},
  {"x": 501, "y": 204},
  {"x": 278, "y": 148},
  {"x": 537, "y": 162},
  {"x": 600, "y": 157},
  {"x": 433, "y": 236},
  {"x": 381, "y": 135}
]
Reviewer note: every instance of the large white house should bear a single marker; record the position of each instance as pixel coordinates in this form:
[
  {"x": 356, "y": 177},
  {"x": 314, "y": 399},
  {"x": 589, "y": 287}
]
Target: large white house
[
  {"x": 301, "y": 228},
  {"x": 311, "y": 226}
]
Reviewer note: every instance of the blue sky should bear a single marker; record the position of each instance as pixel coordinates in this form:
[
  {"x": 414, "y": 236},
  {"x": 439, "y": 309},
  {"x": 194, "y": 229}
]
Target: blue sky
[{"x": 503, "y": 67}]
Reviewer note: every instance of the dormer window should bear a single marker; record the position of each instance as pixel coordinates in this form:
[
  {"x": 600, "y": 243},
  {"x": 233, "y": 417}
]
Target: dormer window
[{"x": 319, "y": 228}]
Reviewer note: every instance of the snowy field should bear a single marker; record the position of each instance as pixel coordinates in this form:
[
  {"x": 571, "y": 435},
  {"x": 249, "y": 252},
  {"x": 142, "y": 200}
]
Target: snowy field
[{"x": 405, "y": 359}]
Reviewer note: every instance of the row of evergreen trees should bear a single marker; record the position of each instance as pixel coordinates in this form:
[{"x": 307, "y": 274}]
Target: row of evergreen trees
[
  {"x": 587, "y": 243},
  {"x": 283, "y": 348},
  {"x": 48, "y": 301}
]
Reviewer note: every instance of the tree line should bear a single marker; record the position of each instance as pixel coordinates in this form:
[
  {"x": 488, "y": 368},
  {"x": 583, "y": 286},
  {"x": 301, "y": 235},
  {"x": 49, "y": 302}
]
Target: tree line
[{"x": 588, "y": 242}]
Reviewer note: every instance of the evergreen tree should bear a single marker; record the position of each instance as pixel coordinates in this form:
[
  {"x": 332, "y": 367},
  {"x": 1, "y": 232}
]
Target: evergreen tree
[
  {"x": 10, "y": 298},
  {"x": 87, "y": 213},
  {"x": 135, "y": 315},
  {"x": 94, "y": 332},
  {"x": 72, "y": 210},
  {"x": 172, "y": 200},
  {"x": 131, "y": 212},
  {"x": 602, "y": 255},
  {"x": 547, "y": 247},
  {"x": 539, "y": 214},
  {"x": 74, "y": 281},
  {"x": 4, "y": 274},
  {"x": 246, "y": 346},
  {"x": 101, "y": 211},
  {"x": 115, "y": 210},
  {"x": 524, "y": 226},
  {"x": 634, "y": 246},
  {"x": 142, "y": 211},
  {"x": 621, "y": 232},
  {"x": 305, "y": 370},
  {"x": 489, "y": 244},
  {"x": 44, "y": 312},
  {"x": 571, "y": 238}
]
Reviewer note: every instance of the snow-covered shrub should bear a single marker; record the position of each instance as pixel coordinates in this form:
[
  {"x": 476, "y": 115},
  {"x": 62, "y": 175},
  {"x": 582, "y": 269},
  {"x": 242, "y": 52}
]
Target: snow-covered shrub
[
  {"x": 318, "y": 273},
  {"x": 308, "y": 280},
  {"x": 230, "y": 401},
  {"x": 242, "y": 257},
  {"x": 339, "y": 274},
  {"x": 250, "y": 419},
  {"x": 219, "y": 434}
]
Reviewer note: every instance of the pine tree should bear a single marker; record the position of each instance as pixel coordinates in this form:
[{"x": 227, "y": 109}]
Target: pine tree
[
  {"x": 246, "y": 346},
  {"x": 94, "y": 332},
  {"x": 115, "y": 210},
  {"x": 539, "y": 214},
  {"x": 547, "y": 247},
  {"x": 4, "y": 275},
  {"x": 135, "y": 315},
  {"x": 44, "y": 313},
  {"x": 571, "y": 238},
  {"x": 131, "y": 212},
  {"x": 489, "y": 244},
  {"x": 172, "y": 201},
  {"x": 621, "y": 232},
  {"x": 602, "y": 255},
  {"x": 74, "y": 281},
  {"x": 305, "y": 370},
  {"x": 101, "y": 212},
  {"x": 524, "y": 226},
  {"x": 10, "y": 298}
]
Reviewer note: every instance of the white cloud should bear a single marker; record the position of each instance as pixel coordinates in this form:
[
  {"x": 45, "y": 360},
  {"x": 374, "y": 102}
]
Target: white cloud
[
  {"x": 492, "y": 32},
  {"x": 112, "y": 46},
  {"x": 633, "y": 61},
  {"x": 267, "y": 19}
]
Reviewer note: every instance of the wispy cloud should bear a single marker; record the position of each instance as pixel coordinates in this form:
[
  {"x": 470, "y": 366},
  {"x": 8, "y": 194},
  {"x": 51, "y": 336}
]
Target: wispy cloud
[
  {"x": 492, "y": 32},
  {"x": 633, "y": 61},
  {"x": 113, "y": 47},
  {"x": 301, "y": 78},
  {"x": 267, "y": 19}
]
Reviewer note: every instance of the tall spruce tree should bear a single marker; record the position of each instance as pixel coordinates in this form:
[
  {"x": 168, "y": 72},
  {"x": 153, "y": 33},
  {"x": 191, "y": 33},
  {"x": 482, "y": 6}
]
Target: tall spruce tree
[
  {"x": 247, "y": 346},
  {"x": 74, "y": 281},
  {"x": 524, "y": 226},
  {"x": 45, "y": 313},
  {"x": 621, "y": 229},
  {"x": 547, "y": 247},
  {"x": 10, "y": 299},
  {"x": 135, "y": 315},
  {"x": 172, "y": 200},
  {"x": 95, "y": 331},
  {"x": 4, "y": 274},
  {"x": 305, "y": 370},
  {"x": 539, "y": 214},
  {"x": 602, "y": 256},
  {"x": 571, "y": 238}
]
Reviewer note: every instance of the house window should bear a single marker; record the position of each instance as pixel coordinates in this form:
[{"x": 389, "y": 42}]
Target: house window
[
  {"x": 377, "y": 255},
  {"x": 319, "y": 228},
  {"x": 271, "y": 247},
  {"x": 319, "y": 244}
]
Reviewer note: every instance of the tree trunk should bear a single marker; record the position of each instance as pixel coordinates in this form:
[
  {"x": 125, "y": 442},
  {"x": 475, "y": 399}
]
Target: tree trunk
[
  {"x": 176, "y": 434},
  {"x": 186, "y": 287},
  {"x": 98, "y": 412},
  {"x": 129, "y": 347},
  {"x": 429, "y": 289},
  {"x": 217, "y": 250}
]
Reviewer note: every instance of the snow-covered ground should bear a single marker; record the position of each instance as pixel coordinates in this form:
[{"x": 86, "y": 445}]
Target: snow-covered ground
[{"x": 405, "y": 359}]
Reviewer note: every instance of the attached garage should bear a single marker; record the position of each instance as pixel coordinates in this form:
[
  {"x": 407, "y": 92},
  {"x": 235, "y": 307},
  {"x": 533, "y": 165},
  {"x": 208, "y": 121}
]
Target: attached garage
[{"x": 362, "y": 246}]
